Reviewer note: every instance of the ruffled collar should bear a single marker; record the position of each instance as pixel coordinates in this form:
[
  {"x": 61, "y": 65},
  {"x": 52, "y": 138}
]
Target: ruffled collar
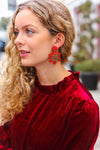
[{"x": 49, "y": 89}]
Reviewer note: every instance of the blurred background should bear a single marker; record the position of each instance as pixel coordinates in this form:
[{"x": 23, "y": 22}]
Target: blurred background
[{"x": 85, "y": 55}]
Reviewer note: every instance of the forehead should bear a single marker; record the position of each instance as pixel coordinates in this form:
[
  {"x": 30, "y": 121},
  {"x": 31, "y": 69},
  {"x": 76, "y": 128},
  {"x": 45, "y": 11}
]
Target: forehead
[{"x": 26, "y": 16}]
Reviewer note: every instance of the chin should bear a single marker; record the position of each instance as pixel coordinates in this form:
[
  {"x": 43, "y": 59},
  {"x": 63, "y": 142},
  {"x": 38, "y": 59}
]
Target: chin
[{"x": 26, "y": 64}]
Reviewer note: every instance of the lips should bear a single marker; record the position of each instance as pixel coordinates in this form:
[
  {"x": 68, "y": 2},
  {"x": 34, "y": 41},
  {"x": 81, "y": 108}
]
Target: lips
[{"x": 23, "y": 53}]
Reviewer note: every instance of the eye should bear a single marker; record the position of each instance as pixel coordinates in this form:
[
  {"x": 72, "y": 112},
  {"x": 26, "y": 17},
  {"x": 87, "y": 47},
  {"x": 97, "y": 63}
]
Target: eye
[
  {"x": 29, "y": 31},
  {"x": 16, "y": 33}
]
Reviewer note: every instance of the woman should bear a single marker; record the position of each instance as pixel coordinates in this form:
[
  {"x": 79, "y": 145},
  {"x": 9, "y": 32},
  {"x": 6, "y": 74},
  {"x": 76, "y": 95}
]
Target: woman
[{"x": 43, "y": 106}]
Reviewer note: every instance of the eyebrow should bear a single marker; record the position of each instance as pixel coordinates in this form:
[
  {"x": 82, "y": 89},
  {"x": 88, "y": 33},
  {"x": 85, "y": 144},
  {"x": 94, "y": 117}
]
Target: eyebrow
[{"x": 27, "y": 26}]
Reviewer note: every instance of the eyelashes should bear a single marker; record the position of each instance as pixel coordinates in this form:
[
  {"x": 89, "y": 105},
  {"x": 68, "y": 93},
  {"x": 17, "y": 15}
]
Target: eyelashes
[
  {"x": 27, "y": 31},
  {"x": 16, "y": 33}
]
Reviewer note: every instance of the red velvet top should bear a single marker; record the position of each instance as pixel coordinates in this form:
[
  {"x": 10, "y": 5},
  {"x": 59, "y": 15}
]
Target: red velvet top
[{"x": 59, "y": 117}]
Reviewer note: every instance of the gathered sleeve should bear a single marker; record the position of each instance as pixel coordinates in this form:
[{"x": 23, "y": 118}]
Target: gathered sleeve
[
  {"x": 82, "y": 128},
  {"x": 5, "y": 140}
]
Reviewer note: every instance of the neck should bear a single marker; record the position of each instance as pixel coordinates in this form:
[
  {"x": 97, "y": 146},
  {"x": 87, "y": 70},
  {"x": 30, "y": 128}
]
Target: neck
[{"x": 51, "y": 74}]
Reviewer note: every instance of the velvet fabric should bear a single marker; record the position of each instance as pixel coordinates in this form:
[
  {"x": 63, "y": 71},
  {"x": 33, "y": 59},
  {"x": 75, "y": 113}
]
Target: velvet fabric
[{"x": 59, "y": 117}]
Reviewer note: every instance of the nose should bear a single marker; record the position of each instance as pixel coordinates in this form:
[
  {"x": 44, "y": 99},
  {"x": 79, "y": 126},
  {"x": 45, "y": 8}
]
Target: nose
[{"x": 19, "y": 39}]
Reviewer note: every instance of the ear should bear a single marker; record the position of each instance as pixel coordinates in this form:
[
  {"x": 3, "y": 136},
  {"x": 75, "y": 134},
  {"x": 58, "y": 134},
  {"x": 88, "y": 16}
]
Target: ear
[{"x": 60, "y": 39}]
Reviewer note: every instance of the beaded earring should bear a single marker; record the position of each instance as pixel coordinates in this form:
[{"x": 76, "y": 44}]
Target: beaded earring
[{"x": 54, "y": 56}]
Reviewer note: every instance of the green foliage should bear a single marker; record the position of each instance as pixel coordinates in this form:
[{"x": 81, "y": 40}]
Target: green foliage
[
  {"x": 4, "y": 22},
  {"x": 85, "y": 8},
  {"x": 92, "y": 65},
  {"x": 85, "y": 46}
]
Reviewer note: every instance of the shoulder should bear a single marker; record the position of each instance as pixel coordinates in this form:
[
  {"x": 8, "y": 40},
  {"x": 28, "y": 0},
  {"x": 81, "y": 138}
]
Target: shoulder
[
  {"x": 84, "y": 112},
  {"x": 84, "y": 109},
  {"x": 82, "y": 102},
  {"x": 78, "y": 97}
]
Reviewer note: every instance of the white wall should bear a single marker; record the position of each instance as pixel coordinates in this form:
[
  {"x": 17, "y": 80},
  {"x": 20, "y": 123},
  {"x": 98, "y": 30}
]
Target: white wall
[{"x": 4, "y": 9}]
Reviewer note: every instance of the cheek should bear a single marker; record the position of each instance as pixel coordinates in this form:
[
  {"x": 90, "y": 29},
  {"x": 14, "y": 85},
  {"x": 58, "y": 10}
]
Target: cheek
[
  {"x": 40, "y": 45},
  {"x": 33, "y": 43}
]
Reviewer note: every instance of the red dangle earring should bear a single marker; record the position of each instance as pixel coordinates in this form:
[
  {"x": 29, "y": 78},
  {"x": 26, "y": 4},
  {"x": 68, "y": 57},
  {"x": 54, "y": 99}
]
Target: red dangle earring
[{"x": 54, "y": 56}]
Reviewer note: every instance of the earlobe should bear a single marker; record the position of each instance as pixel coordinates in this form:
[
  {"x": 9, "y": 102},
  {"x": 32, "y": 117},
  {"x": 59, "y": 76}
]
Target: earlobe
[{"x": 60, "y": 39}]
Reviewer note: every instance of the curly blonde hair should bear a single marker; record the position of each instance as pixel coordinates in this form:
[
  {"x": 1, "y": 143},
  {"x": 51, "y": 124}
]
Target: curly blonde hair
[{"x": 16, "y": 81}]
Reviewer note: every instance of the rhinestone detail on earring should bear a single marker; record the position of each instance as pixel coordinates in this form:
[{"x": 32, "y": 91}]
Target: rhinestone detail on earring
[{"x": 54, "y": 56}]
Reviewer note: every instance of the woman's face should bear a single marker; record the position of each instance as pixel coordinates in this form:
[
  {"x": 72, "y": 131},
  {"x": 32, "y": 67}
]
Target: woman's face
[{"x": 33, "y": 40}]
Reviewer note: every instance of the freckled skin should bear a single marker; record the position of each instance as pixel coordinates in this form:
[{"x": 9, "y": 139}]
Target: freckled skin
[{"x": 33, "y": 37}]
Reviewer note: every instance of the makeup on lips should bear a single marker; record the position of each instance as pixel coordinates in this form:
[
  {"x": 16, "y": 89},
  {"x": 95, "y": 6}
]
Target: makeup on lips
[{"x": 23, "y": 53}]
